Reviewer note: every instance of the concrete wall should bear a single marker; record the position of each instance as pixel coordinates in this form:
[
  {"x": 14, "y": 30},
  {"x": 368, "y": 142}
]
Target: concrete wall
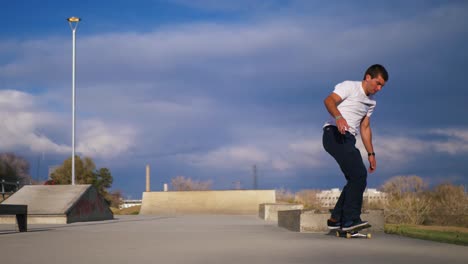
[
  {"x": 206, "y": 202},
  {"x": 269, "y": 211}
]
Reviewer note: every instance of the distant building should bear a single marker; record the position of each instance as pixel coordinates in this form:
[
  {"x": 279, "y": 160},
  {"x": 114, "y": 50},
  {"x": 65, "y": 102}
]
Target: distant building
[
  {"x": 52, "y": 169},
  {"x": 328, "y": 198},
  {"x": 372, "y": 195},
  {"x": 129, "y": 203}
]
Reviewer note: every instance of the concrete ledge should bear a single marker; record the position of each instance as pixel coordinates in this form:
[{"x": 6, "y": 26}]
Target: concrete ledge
[
  {"x": 37, "y": 219},
  {"x": 205, "y": 202},
  {"x": 20, "y": 211},
  {"x": 311, "y": 221},
  {"x": 269, "y": 211}
]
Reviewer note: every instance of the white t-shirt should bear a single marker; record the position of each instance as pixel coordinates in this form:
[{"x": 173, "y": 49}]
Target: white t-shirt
[{"x": 355, "y": 105}]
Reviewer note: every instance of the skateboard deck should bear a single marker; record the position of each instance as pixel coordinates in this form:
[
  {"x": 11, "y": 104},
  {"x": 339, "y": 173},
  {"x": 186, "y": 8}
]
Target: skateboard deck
[{"x": 354, "y": 233}]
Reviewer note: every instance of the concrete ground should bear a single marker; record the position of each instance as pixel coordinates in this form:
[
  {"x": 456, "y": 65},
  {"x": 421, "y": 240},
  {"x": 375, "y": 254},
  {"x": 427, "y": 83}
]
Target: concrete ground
[{"x": 208, "y": 239}]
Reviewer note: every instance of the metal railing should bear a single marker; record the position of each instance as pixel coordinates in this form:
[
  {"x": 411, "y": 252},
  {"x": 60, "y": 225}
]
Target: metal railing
[{"x": 3, "y": 183}]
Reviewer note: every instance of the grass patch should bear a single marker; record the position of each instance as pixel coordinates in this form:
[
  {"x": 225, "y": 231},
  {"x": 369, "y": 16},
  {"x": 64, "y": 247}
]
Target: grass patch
[
  {"x": 134, "y": 210},
  {"x": 452, "y": 235}
]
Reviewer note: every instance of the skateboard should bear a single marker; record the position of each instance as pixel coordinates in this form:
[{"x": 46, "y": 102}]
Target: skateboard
[{"x": 354, "y": 233}]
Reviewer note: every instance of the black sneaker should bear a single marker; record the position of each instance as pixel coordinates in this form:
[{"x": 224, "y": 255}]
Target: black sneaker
[
  {"x": 332, "y": 225},
  {"x": 350, "y": 225}
]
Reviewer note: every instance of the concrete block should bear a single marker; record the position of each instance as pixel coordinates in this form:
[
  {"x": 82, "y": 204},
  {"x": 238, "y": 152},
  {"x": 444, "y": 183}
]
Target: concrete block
[
  {"x": 290, "y": 219},
  {"x": 314, "y": 221},
  {"x": 269, "y": 211}
]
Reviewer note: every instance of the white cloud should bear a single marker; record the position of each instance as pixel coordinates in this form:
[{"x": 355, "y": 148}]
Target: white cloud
[
  {"x": 455, "y": 141},
  {"x": 25, "y": 124},
  {"x": 98, "y": 139},
  {"x": 183, "y": 107},
  {"x": 306, "y": 153},
  {"x": 307, "y": 146},
  {"x": 280, "y": 164},
  {"x": 288, "y": 151},
  {"x": 394, "y": 149},
  {"x": 15, "y": 100},
  {"x": 272, "y": 148},
  {"x": 201, "y": 53},
  {"x": 397, "y": 150},
  {"x": 238, "y": 157},
  {"x": 21, "y": 121}
]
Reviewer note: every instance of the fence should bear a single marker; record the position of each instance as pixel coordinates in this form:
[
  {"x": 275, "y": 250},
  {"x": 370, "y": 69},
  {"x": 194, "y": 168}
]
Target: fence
[{"x": 3, "y": 183}]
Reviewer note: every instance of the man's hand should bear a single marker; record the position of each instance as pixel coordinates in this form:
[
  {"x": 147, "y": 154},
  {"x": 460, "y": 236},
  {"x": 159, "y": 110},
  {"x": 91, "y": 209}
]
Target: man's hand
[
  {"x": 342, "y": 125},
  {"x": 331, "y": 103},
  {"x": 372, "y": 164}
]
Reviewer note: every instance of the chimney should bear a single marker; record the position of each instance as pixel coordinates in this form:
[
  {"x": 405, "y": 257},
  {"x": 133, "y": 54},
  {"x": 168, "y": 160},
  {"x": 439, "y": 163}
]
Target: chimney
[{"x": 147, "y": 178}]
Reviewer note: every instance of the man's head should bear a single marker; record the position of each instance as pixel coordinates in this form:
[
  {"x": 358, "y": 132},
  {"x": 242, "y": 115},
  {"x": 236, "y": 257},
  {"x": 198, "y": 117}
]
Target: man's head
[
  {"x": 375, "y": 70},
  {"x": 374, "y": 79}
]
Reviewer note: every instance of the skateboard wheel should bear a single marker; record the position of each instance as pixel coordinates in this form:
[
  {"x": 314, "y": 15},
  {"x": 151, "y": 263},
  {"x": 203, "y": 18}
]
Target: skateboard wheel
[
  {"x": 348, "y": 235},
  {"x": 369, "y": 236},
  {"x": 337, "y": 234}
]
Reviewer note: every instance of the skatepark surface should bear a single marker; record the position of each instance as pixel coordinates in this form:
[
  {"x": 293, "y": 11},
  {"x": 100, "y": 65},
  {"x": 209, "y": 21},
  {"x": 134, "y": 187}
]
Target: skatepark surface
[{"x": 220, "y": 239}]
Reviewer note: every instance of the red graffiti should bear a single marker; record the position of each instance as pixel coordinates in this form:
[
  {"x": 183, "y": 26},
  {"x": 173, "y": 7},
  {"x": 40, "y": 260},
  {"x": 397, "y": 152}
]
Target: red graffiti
[{"x": 86, "y": 207}]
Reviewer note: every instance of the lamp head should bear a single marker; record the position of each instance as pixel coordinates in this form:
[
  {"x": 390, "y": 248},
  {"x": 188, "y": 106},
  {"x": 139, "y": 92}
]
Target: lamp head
[{"x": 73, "y": 19}]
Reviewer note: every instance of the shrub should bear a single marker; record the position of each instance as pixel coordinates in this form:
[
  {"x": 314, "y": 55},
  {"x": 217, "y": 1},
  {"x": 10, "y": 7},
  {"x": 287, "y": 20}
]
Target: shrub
[
  {"x": 284, "y": 196},
  {"x": 450, "y": 206},
  {"x": 180, "y": 183},
  {"x": 309, "y": 199},
  {"x": 408, "y": 201}
]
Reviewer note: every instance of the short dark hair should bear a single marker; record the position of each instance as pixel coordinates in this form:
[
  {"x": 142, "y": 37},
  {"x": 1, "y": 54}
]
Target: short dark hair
[{"x": 375, "y": 70}]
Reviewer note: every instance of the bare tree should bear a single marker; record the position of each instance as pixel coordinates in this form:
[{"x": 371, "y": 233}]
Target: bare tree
[
  {"x": 408, "y": 201},
  {"x": 309, "y": 199},
  {"x": 14, "y": 168},
  {"x": 373, "y": 205},
  {"x": 285, "y": 196},
  {"x": 450, "y": 205},
  {"x": 400, "y": 185},
  {"x": 114, "y": 198},
  {"x": 180, "y": 183}
]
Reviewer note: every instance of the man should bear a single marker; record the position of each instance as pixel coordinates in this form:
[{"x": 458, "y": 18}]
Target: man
[{"x": 351, "y": 104}]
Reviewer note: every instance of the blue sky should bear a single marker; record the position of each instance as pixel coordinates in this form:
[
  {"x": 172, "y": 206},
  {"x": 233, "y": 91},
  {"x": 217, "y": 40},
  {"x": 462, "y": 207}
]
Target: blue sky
[{"x": 206, "y": 89}]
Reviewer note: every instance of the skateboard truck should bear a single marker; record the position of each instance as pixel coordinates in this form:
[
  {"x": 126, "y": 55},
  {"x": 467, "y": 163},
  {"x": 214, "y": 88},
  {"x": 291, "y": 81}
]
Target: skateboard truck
[{"x": 354, "y": 233}]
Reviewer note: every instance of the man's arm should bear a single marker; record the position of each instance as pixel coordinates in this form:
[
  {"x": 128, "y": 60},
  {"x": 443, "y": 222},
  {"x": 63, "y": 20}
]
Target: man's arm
[
  {"x": 366, "y": 135},
  {"x": 331, "y": 103}
]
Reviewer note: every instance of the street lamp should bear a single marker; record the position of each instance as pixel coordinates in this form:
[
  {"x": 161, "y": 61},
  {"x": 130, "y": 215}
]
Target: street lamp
[{"x": 73, "y": 22}]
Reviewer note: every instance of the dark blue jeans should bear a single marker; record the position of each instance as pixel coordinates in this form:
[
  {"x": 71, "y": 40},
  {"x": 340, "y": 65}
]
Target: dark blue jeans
[{"x": 343, "y": 149}]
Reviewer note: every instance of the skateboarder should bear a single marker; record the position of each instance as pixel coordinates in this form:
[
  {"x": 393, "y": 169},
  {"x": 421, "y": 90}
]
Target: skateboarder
[{"x": 351, "y": 105}]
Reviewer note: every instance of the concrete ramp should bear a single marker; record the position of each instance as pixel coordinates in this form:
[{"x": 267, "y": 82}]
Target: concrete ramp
[{"x": 60, "y": 204}]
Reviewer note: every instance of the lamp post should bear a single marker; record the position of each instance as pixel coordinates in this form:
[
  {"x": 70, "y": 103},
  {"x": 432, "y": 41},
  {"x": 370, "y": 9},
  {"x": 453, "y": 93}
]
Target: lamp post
[{"x": 73, "y": 22}]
